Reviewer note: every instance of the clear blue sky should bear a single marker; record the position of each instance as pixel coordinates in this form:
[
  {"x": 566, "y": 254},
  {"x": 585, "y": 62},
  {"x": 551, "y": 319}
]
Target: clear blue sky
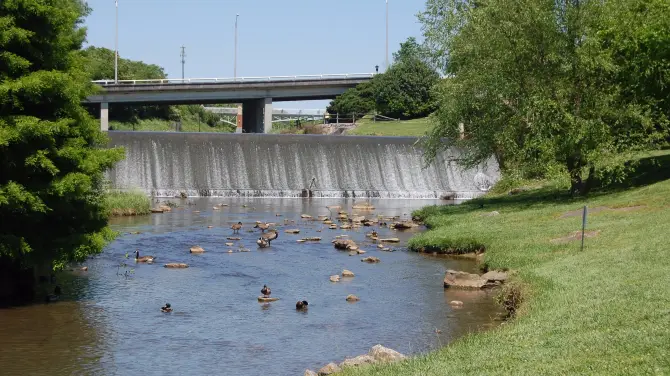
[{"x": 290, "y": 37}]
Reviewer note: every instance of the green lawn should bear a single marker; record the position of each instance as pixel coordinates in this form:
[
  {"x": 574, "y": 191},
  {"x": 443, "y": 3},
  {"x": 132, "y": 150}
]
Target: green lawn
[
  {"x": 159, "y": 125},
  {"x": 416, "y": 128},
  {"x": 603, "y": 311}
]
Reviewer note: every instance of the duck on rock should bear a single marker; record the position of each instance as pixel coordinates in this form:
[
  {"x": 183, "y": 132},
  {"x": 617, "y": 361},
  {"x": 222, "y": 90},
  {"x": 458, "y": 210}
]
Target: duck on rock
[
  {"x": 266, "y": 291},
  {"x": 147, "y": 259}
]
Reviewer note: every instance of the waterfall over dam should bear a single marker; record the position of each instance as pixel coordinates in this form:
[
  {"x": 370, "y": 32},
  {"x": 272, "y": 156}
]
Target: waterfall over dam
[{"x": 266, "y": 165}]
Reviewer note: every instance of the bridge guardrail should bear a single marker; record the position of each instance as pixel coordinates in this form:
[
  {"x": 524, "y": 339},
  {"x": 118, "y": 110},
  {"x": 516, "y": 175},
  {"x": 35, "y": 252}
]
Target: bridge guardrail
[{"x": 166, "y": 81}]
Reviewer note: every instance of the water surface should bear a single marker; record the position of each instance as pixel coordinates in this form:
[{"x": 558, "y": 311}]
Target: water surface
[{"x": 112, "y": 325}]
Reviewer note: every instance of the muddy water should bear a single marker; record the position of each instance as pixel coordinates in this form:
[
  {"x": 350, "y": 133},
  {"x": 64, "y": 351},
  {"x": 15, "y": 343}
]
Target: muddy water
[{"x": 111, "y": 324}]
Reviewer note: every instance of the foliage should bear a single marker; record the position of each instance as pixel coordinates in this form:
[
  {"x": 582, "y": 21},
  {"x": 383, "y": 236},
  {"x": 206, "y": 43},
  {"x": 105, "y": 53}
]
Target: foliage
[
  {"x": 52, "y": 154},
  {"x": 404, "y": 91},
  {"x": 98, "y": 63},
  {"x": 127, "y": 203},
  {"x": 545, "y": 82},
  {"x": 359, "y": 100},
  {"x": 570, "y": 302}
]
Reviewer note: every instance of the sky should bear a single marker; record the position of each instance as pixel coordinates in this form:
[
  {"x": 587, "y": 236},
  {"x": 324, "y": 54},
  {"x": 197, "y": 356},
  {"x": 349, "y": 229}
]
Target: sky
[{"x": 275, "y": 38}]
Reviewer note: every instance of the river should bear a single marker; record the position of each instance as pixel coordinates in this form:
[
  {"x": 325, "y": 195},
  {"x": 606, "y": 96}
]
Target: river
[{"x": 110, "y": 324}]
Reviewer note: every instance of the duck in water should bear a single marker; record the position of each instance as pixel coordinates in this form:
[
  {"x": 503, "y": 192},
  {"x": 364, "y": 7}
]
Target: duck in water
[
  {"x": 167, "y": 308},
  {"x": 147, "y": 259},
  {"x": 236, "y": 227},
  {"x": 301, "y": 305},
  {"x": 262, "y": 226},
  {"x": 266, "y": 291},
  {"x": 262, "y": 243},
  {"x": 270, "y": 236}
]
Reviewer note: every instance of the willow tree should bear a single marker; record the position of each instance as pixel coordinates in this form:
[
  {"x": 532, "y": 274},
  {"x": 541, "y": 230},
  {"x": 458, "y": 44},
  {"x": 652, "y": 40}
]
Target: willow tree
[
  {"x": 52, "y": 154},
  {"x": 537, "y": 83}
]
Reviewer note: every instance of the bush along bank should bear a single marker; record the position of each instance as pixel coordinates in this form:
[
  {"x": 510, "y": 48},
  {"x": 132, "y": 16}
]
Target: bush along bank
[
  {"x": 121, "y": 204},
  {"x": 602, "y": 310}
]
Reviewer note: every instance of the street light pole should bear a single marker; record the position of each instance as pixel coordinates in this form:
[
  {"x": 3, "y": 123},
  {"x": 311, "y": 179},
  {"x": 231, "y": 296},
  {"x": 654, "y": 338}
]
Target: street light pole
[
  {"x": 387, "y": 34},
  {"x": 116, "y": 44},
  {"x": 235, "y": 68}
]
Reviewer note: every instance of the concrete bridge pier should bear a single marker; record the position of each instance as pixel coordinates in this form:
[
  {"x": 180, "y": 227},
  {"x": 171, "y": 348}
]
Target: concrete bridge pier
[
  {"x": 257, "y": 115},
  {"x": 104, "y": 116}
]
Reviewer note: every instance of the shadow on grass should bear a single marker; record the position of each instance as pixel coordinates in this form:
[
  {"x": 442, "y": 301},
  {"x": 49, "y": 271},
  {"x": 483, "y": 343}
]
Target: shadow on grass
[{"x": 644, "y": 171}]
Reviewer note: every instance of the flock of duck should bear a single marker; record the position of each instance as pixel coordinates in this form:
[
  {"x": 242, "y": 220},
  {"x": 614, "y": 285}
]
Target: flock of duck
[{"x": 267, "y": 235}]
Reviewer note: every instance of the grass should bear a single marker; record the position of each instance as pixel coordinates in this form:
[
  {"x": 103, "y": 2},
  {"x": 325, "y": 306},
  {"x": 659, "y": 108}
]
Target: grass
[
  {"x": 127, "y": 203},
  {"x": 413, "y": 128},
  {"x": 159, "y": 125},
  {"x": 601, "y": 311}
]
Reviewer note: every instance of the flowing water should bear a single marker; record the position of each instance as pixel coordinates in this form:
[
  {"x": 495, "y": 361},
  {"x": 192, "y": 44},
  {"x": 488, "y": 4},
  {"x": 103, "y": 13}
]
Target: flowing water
[
  {"x": 110, "y": 324},
  {"x": 252, "y": 165}
]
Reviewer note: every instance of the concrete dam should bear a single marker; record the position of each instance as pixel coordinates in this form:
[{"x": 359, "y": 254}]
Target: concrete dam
[{"x": 257, "y": 165}]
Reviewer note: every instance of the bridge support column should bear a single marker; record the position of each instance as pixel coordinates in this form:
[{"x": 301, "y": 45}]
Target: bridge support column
[
  {"x": 257, "y": 116},
  {"x": 104, "y": 116}
]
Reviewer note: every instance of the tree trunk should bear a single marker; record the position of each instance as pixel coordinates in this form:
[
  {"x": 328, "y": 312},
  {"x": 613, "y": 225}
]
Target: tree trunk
[{"x": 574, "y": 167}]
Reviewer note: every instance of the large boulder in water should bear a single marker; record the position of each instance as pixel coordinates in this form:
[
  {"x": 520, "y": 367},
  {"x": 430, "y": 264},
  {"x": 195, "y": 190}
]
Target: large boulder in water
[
  {"x": 347, "y": 273},
  {"x": 329, "y": 369},
  {"x": 309, "y": 372},
  {"x": 385, "y": 355},
  {"x": 463, "y": 280}
]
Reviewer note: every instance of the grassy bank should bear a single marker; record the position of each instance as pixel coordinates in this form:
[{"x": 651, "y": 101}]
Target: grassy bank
[
  {"x": 604, "y": 310},
  {"x": 127, "y": 203},
  {"x": 415, "y": 128},
  {"x": 159, "y": 125}
]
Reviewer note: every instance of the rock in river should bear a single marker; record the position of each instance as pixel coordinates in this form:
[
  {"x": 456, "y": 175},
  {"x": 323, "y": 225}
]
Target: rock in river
[
  {"x": 263, "y": 299},
  {"x": 197, "y": 249},
  {"x": 334, "y": 278},
  {"x": 292, "y": 231},
  {"x": 371, "y": 260},
  {"x": 458, "y": 279},
  {"x": 352, "y": 298},
  {"x": 309, "y": 372},
  {"x": 495, "y": 276},
  {"x": 345, "y": 244},
  {"x": 347, "y": 273},
  {"x": 176, "y": 265}
]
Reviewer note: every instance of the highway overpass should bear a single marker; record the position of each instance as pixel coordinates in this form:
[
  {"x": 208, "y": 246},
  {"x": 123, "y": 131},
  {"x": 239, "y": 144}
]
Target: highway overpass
[{"x": 255, "y": 93}]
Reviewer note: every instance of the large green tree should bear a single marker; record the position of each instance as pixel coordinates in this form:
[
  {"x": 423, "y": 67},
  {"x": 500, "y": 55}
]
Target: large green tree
[
  {"x": 52, "y": 154},
  {"x": 541, "y": 82}
]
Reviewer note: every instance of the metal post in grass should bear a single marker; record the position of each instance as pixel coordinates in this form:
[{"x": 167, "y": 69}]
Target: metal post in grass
[{"x": 584, "y": 224}]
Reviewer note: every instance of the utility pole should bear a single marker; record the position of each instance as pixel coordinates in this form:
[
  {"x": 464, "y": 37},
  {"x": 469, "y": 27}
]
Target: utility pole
[
  {"x": 116, "y": 44},
  {"x": 387, "y": 34},
  {"x": 235, "y": 67},
  {"x": 183, "y": 60}
]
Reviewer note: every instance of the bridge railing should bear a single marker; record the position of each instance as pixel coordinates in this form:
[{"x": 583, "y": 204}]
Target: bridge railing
[{"x": 166, "y": 81}]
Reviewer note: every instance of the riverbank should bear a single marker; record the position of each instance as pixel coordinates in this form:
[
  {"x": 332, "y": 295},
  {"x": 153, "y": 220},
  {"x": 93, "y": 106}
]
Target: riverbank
[
  {"x": 603, "y": 310},
  {"x": 123, "y": 204},
  {"x": 160, "y": 125},
  {"x": 408, "y": 128}
]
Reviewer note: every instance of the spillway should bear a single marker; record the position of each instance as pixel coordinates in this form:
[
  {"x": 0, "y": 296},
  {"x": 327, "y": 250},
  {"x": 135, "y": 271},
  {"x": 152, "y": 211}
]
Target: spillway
[{"x": 266, "y": 165}]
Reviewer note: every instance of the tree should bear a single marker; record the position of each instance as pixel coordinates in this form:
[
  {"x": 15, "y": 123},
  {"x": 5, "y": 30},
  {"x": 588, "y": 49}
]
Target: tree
[
  {"x": 359, "y": 100},
  {"x": 98, "y": 63},
  {"x": 406, "y": 89},
  {"x": 52, "y": 154},
  {"x": 537, "y": 83}
]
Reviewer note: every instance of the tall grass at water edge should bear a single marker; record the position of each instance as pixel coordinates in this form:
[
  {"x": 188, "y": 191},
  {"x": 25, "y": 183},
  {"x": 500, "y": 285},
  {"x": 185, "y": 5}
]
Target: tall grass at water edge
[{"x": 127, "y": 203}]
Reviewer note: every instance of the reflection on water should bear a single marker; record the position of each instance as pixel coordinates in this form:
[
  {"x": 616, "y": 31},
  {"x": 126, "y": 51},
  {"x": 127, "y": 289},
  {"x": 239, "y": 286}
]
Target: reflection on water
[{"x": 109, "y": 324}]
